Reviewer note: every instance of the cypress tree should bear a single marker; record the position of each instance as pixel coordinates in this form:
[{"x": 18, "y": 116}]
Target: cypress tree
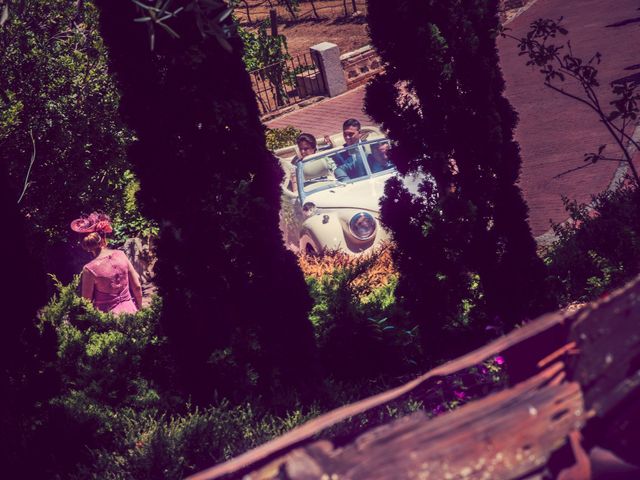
[
  {"x": 234, "y": 297},
  {"x": 23, "y": 380},
  {"x": 468, "y": 260}
]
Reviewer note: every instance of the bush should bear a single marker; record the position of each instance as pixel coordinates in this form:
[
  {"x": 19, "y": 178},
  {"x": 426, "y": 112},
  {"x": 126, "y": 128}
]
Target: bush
[
  {"x": 598, "y": 248},
  {"x": 108, "y": 368},
  {"x": 162, "y": 447},
  {"x": 281, "y": 137},
  {"x": 360, "y": 331},
  {"x": 443, "y": 77},
  {"x": 128, "y": 221},
  {"x": 59, "y": 99},
  {"x": 63, "y": 140},
  {"x": 115, "y": 413}
]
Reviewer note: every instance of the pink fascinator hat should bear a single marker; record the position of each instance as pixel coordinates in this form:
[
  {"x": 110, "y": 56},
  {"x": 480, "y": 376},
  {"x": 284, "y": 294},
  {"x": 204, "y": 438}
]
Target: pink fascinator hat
[{"x": 95, "y": 222}]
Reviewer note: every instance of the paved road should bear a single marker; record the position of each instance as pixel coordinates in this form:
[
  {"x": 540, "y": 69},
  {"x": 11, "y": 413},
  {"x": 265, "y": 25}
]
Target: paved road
[
  {"x": 326, "y": 117},
  {"x": 554, "y": 132}
]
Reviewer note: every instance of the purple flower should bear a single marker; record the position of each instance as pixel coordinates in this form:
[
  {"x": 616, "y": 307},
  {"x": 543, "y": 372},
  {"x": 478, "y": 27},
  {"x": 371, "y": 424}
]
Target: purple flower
[
  {"x": 499, "y": 360},
  {"x": 459, "y": 395},
  {"x": 438, "y": 410}
]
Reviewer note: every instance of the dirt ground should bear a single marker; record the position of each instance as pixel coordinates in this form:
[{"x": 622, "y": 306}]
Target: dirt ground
[
  {"x": 346, "y": 28},
  {"x": 348, "y": 35},
  {"x": 348, "y": 32}
]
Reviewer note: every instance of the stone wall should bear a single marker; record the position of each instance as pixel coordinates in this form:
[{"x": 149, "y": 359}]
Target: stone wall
[{"x": 360, "y": 65}]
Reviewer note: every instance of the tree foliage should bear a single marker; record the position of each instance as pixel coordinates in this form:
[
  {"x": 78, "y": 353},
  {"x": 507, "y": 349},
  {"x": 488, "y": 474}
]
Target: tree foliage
[
  {"x": 468, "y": 261},
  {"x": 23, "y": 381},
  {"x": 292, "y": 7},
  {"x": 598, "y": 248},
  {"x": 281, "y": 137},
  {"x": 232, "y": 293},
  {"x": 266, "y": 55},
  {"x": 60, "y": 133},
  {"x": 262, "y": 49}
]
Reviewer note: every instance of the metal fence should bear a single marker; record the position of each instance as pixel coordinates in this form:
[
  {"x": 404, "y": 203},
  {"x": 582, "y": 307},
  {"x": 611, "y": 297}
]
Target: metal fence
[
  {"x": 287, "y": 83},
  {"x": 255, "y": 10}
]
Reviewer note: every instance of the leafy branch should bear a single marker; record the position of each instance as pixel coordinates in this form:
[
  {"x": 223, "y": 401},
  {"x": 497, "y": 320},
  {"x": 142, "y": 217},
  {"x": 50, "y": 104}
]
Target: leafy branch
[
  {"x": 210, "y": 16},
  {"x": 557, "y": 63},
  {"x": 33, "y": 159},
  {"x": 266, "y": 56}
]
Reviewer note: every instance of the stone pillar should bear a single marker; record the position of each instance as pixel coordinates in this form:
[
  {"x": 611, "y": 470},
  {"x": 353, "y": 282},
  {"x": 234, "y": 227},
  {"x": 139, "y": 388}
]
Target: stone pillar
[{"x": 327, "y": 57}]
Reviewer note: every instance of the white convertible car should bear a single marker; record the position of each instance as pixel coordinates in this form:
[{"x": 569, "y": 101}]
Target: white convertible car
[{"x": 334, "y": 202}]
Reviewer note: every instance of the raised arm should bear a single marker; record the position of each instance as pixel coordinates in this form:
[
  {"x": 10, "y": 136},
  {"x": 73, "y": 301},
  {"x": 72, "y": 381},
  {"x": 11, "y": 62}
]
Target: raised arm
[
  {"x": 134, "y": 285},
  {"x": 294, "y": 180}
]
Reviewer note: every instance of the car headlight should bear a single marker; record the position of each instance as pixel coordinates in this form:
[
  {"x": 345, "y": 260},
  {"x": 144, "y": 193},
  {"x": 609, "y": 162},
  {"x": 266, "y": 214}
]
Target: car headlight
[
  {"x": 309, "y": 209},
  {"x": 362, "y": 225}
]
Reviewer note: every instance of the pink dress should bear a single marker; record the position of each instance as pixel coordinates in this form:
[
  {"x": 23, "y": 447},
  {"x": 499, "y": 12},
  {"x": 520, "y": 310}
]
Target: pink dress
[{"x": 111, "y": 283}]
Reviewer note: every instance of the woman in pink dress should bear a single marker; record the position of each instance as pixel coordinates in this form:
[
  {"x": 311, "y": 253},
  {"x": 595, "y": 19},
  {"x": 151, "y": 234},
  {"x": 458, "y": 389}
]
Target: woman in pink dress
[{"x": 109, "y": 279}]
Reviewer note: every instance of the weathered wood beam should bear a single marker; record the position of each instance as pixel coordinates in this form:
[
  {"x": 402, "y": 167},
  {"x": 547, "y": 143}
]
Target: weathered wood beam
[
  {"x": 509, "y": 434},
  {"x": 505, "y": 435},
  {"x": 554, "y": 325}
]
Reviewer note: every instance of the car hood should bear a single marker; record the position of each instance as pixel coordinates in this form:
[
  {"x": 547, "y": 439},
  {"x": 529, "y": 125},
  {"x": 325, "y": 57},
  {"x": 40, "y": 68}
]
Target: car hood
[{"x": 363, "y": 195}]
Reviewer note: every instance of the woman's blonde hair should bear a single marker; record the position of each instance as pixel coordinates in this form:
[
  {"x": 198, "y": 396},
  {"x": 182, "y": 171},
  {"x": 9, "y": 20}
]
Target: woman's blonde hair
[
  {"x": 95, "y": 226},
  {"x": 93, "y": 241}
]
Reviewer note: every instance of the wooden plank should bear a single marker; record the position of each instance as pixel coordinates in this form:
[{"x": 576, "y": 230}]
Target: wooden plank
[
  {"x": 503, "y": 436},
  {"x": 608, "y": 338},
  {"x": 554, "y": 324},
  {"x": 601, "y": 344},
  {"x": 608, "y": 369},
  {"x": 510, "y": 437}
]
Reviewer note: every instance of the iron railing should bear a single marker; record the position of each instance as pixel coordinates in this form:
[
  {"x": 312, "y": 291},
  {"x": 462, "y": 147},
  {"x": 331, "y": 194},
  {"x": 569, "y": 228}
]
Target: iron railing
[{"x": 286, "y": 83}]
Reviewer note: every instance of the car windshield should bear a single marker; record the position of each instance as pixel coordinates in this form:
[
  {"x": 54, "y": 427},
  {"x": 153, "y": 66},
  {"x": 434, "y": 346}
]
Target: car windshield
[{"x": 343, "y": 166}]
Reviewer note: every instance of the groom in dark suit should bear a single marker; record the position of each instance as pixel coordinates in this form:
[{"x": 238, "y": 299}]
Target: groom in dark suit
[{"x": 349, "y": 163}]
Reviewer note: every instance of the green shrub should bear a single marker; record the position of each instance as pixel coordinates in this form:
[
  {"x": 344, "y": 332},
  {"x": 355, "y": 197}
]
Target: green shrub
[
  {"x": 162, "y": 447},
  {"x": 472, "y": 219},
  {"x": 281, "y": 137},
  {"x": 116, "y": 361},
  {"x": 129, "y": 222},
  {"x": 108, "y": 368},
  {"x": 359, "y": 330},
  {"x": 60, "y": 102},
  {"x": 598, "y": 249},
  {"x": 209, "y": 181},
  {"x": 115, "y": 413}
]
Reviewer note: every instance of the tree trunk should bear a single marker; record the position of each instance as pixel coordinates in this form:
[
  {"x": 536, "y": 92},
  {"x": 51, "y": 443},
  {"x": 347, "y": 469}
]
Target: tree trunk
[
  {"x": 291, "y": 9},
  {"x": 222, "y": 204},
  {"x": 246, "y": 5},
  {"x": 273, "y": 19},
  {"x": 313, "y": 7}
]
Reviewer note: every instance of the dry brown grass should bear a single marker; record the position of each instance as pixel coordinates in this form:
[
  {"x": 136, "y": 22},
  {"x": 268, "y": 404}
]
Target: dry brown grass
[
  {"x": 348, "y": 32},
  {"x": 259, "y": 10},
  {"x": 372, "y": 269}
]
